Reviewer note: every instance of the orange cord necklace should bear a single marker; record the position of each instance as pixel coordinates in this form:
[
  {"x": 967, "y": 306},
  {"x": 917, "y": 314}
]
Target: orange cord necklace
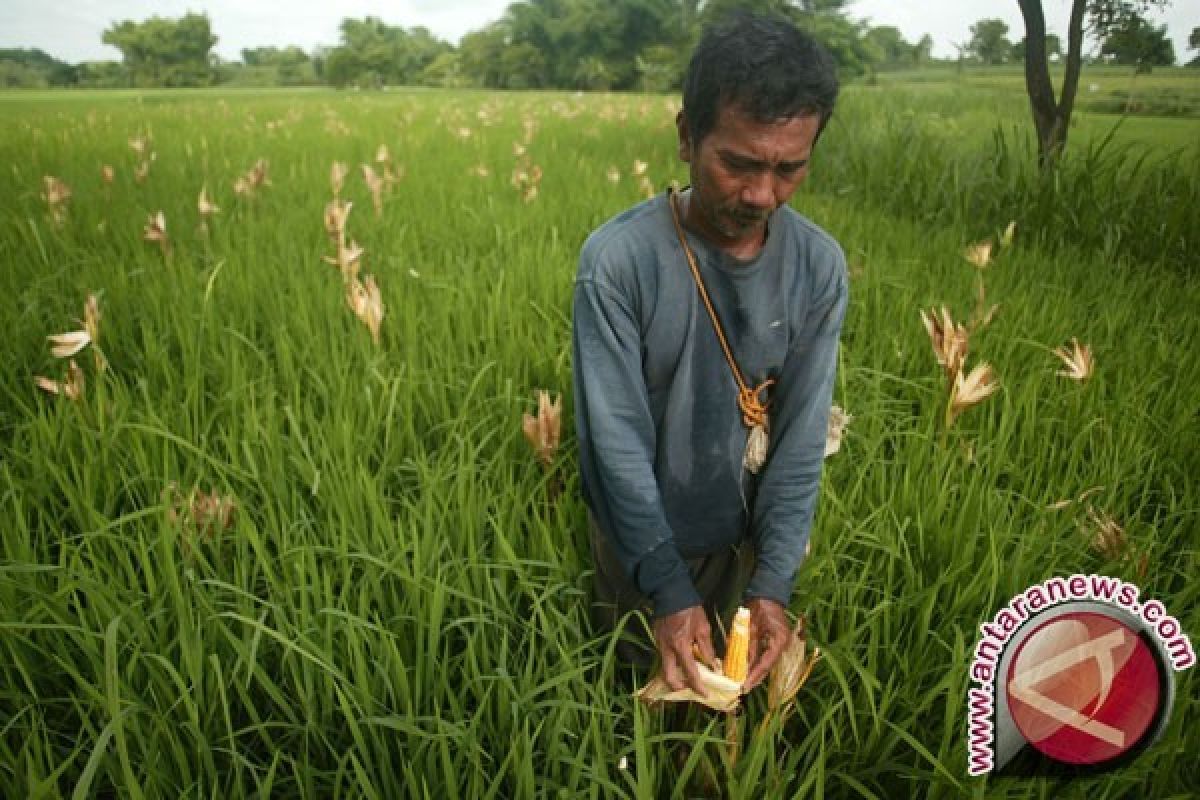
[{"x": 754, "y": 410}]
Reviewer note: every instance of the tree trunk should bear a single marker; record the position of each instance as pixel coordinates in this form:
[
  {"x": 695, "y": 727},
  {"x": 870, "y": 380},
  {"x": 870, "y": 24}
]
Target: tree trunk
[{"x": 1051, "y": 118}]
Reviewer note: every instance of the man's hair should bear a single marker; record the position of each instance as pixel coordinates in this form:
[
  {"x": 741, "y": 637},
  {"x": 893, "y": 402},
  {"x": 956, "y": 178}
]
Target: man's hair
[{"x": 764, "y": 65}]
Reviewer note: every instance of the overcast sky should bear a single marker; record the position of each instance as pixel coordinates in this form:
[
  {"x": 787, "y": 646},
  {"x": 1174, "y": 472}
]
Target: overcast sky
[{"x": 70, "y": 29}]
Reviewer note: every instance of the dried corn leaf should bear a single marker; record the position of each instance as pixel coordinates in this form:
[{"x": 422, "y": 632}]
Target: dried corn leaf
[{"x": 792, "y": 669}]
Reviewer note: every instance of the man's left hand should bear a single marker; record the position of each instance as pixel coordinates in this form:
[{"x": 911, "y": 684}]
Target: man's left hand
[{"x": 769, "y": 635}]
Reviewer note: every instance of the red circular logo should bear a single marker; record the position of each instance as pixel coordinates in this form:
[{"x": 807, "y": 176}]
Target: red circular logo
[{"x": 1083, "y": 688}]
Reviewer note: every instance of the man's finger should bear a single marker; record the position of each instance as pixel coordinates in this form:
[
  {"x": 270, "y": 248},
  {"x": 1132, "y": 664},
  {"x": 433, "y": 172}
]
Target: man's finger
[
  {"x": 671, "y": 674},
  {"x": 752, "y": 647},
  {"x": 692, "y": 673},
  {"x": 764, "y": 663},
  {"x": 704, "y": 648}
]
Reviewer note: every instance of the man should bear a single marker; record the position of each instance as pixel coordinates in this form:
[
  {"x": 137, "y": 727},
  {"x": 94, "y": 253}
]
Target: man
[{"x": 683, "y": 522}]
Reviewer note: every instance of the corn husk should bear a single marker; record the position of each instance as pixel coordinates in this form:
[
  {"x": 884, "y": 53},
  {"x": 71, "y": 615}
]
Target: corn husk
[
  {"x": 723, "y": 694},
  {"x": 757, "y": 443}
]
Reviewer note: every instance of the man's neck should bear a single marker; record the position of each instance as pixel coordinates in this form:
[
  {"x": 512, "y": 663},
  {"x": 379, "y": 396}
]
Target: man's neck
[{"x": 742, "y": 249}]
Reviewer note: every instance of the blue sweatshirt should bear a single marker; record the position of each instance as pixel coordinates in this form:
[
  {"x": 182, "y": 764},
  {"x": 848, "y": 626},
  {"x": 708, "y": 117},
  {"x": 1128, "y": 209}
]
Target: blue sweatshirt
[{"x": 661, "y": 437}]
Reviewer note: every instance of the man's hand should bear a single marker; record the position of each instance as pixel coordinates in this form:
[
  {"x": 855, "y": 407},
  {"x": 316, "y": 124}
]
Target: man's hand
[
  {"x": 681, "y": 637},
  {"x": 769, "y": 626}
]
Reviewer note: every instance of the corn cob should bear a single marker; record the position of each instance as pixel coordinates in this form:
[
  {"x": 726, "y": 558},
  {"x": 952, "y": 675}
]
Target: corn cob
[{"x": 737, "y": 652}]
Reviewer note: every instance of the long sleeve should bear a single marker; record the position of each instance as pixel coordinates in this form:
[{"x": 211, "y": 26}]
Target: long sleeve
[
  {"x": 787, "y": 496},
  {"x": 617, "y": 442}
]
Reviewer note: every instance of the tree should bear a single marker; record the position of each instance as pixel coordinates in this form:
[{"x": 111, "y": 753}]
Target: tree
[
  {"x": 1051, "y": 116},
  {"x": 444, "y": 71},
  {"x": 102, "y": 75},
  {"x": 845, "y": 39},
  {"x": 1139, "y": 44},
  {"x": 480, "y": 52},
  {"x": 593, "y": 73},
  {"x": 659, "y": 68},
  {"x": 373, "y": 53},
  {"x": 1194, "y": 44},
  {"x": 165, "y": 52},
  {"x": 625, "y": 44},
  {"x": 891, "y": 46},
  {"x": 923, "y": 50},
  {"x": 989, "y": 41},
  {"x": 713, "y": 10},
  {"x": 524, "y": 67},
  {"x": 290, "y": 66},
  {"x": 32, "y": 68}
]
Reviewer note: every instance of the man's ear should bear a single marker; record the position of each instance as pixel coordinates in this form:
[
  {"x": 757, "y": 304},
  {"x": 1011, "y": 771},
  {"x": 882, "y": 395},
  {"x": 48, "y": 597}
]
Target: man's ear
[{"x": 685, "y": 138}]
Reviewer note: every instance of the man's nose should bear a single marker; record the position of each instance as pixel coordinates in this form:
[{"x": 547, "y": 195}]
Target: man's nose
[{"x": 759, "y": 190}]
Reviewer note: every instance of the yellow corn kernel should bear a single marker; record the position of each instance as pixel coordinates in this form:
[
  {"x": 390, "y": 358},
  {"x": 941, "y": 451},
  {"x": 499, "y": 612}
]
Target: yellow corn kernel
[{"x": 737, "y": 651}]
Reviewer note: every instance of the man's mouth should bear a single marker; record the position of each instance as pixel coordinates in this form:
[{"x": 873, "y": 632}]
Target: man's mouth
[{"x": 747, "y": 219}]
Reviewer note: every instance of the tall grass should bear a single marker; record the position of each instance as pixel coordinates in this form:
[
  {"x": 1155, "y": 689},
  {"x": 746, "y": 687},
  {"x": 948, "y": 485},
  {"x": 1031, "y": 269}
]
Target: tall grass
[
  {"x": 397, "y": 610},
  {"x": 1133, "y": 201}
]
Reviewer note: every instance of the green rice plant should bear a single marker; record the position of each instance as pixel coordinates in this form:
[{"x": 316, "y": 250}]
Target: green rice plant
[
  {"x": 1130, "y": 199},
  {"x": 394, "y": 610}
]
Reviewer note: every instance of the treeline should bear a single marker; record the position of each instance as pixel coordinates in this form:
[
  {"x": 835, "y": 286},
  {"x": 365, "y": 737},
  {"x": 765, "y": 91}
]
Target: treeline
[
  {"x": 570, "y": 44},
  {"x": 1134, "y": 42}
]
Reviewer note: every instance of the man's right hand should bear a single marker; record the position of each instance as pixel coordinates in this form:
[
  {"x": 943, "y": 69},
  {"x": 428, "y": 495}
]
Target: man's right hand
[{"x": 680, "y": 638}]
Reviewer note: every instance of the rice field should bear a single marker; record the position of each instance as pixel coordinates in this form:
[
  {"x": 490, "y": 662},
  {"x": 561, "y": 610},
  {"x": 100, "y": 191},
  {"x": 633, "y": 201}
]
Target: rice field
[{"x": 278, "y": 531}]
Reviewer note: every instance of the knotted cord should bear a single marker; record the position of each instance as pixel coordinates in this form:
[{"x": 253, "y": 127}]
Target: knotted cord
[{"x": 754, "y": 410}]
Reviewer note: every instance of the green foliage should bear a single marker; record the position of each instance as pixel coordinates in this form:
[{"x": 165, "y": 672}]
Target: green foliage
[
  {"x": 445, "y": 70},
  {"x": 1113, "y": 195},
  {"x": 273, "y": 56},
  {"x": 989, "y": 41},
  {"x": 481, "y": 51},
  {"x": 102, "y": 75},
  {"x": 15, "y": 75},
  {"x": 23, "y": 68},
  {"x": 273, "y": 66},
  {"x": 846, "y": 41},
  {"x": 524, "y": 66},
  {"x": 1105, "y": 16},
  {"x": 626, "y": 44},
  {"x": 1139, "y": 44},
  {"x": 1054, "y": 49},
  {"x": 659, "y": 68},
  {"x": 579, "y": 44},
  {"x": 714, "y": 10},
  {"x": 165, "y": 52},
  {"x": 892, "y": 49},
  {"x": 374, "y": 54}
]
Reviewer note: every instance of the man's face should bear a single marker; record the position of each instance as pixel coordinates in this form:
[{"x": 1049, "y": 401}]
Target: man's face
[{"x": 742, "y": 171}]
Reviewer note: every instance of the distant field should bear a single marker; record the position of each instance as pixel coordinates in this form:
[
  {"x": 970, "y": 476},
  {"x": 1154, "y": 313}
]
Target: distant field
[
  {"x": 1164, "y": 112},
  {"x": 1165, "y": 102},
  {"x": 398, "y": 607}
]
